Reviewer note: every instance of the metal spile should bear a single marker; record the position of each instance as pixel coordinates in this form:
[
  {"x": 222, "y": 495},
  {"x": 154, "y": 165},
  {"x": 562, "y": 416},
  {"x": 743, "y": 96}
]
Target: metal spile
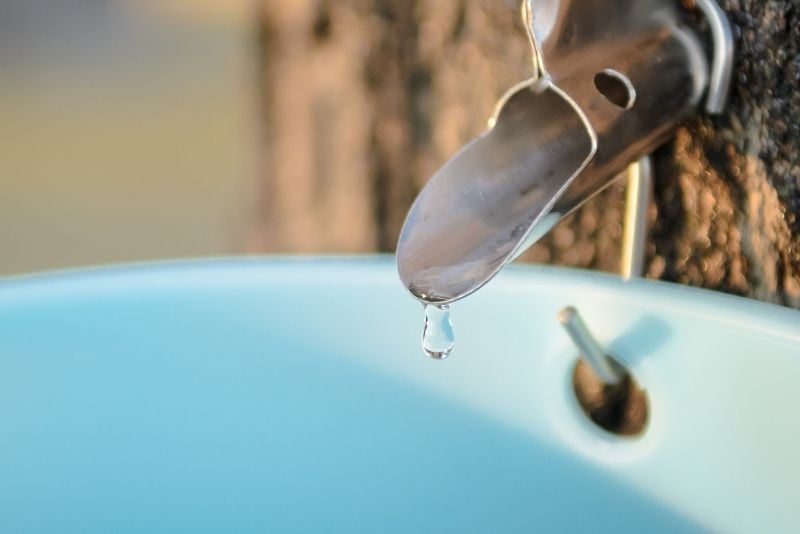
[{"x": 611, "y": 80}]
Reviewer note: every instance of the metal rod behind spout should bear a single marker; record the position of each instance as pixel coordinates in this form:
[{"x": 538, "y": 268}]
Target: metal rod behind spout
[{"x": 637, "y": 203}]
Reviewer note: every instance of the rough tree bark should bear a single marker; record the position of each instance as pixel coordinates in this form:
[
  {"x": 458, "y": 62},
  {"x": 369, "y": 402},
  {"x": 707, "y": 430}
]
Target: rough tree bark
[{"x": 364, "y": 99}]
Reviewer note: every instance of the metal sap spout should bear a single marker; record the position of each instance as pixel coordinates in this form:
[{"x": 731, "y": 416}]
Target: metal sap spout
[{"x": 612, "y": 79}]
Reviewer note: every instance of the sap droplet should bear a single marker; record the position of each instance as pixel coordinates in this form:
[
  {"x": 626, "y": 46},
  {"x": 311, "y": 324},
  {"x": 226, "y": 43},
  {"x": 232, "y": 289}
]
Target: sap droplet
[{"x": 438, "y": 338}]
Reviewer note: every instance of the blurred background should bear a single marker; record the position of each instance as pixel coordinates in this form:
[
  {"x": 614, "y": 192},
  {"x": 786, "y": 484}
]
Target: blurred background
[
  {"x": 128, "y": 130},
  {"x": 135, "y": 130}
]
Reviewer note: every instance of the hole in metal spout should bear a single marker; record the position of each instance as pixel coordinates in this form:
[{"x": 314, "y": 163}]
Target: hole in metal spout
[{"x": 616, "y": 88}]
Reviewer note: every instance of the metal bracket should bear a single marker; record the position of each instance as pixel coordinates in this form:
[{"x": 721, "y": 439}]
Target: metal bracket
[{"x": 719, "y": 86}]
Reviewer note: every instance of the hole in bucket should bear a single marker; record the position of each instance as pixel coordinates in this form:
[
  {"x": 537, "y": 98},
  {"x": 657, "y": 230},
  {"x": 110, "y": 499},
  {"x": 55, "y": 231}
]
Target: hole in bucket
[
  {"x": 616, "y": 88},
  {"x": 621, "y": 409}
]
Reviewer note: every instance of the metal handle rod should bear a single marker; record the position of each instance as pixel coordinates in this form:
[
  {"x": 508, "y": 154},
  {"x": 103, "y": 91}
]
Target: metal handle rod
[
  {"x": 639, "y": 194},
  {"x": 592, "y": 352}
]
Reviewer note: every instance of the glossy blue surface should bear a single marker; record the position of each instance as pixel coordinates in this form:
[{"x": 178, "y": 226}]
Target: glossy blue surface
[{"x": 254, "y": 396}]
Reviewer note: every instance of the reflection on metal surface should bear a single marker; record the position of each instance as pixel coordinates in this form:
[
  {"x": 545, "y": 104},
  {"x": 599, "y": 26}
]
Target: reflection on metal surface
[{"x": 556, "y": 140}]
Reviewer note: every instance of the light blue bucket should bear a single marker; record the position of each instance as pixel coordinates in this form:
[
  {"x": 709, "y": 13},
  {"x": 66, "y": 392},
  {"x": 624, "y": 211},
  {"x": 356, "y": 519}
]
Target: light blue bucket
[{"x": 283, "y": 396}]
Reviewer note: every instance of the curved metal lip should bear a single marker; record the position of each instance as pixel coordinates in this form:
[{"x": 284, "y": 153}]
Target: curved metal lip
[{"x": 541, "y": 84}]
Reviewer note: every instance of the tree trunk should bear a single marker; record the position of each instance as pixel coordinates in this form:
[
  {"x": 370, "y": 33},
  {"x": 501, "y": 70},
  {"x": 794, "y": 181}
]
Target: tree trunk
[{"x": 365, "y": 99}]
